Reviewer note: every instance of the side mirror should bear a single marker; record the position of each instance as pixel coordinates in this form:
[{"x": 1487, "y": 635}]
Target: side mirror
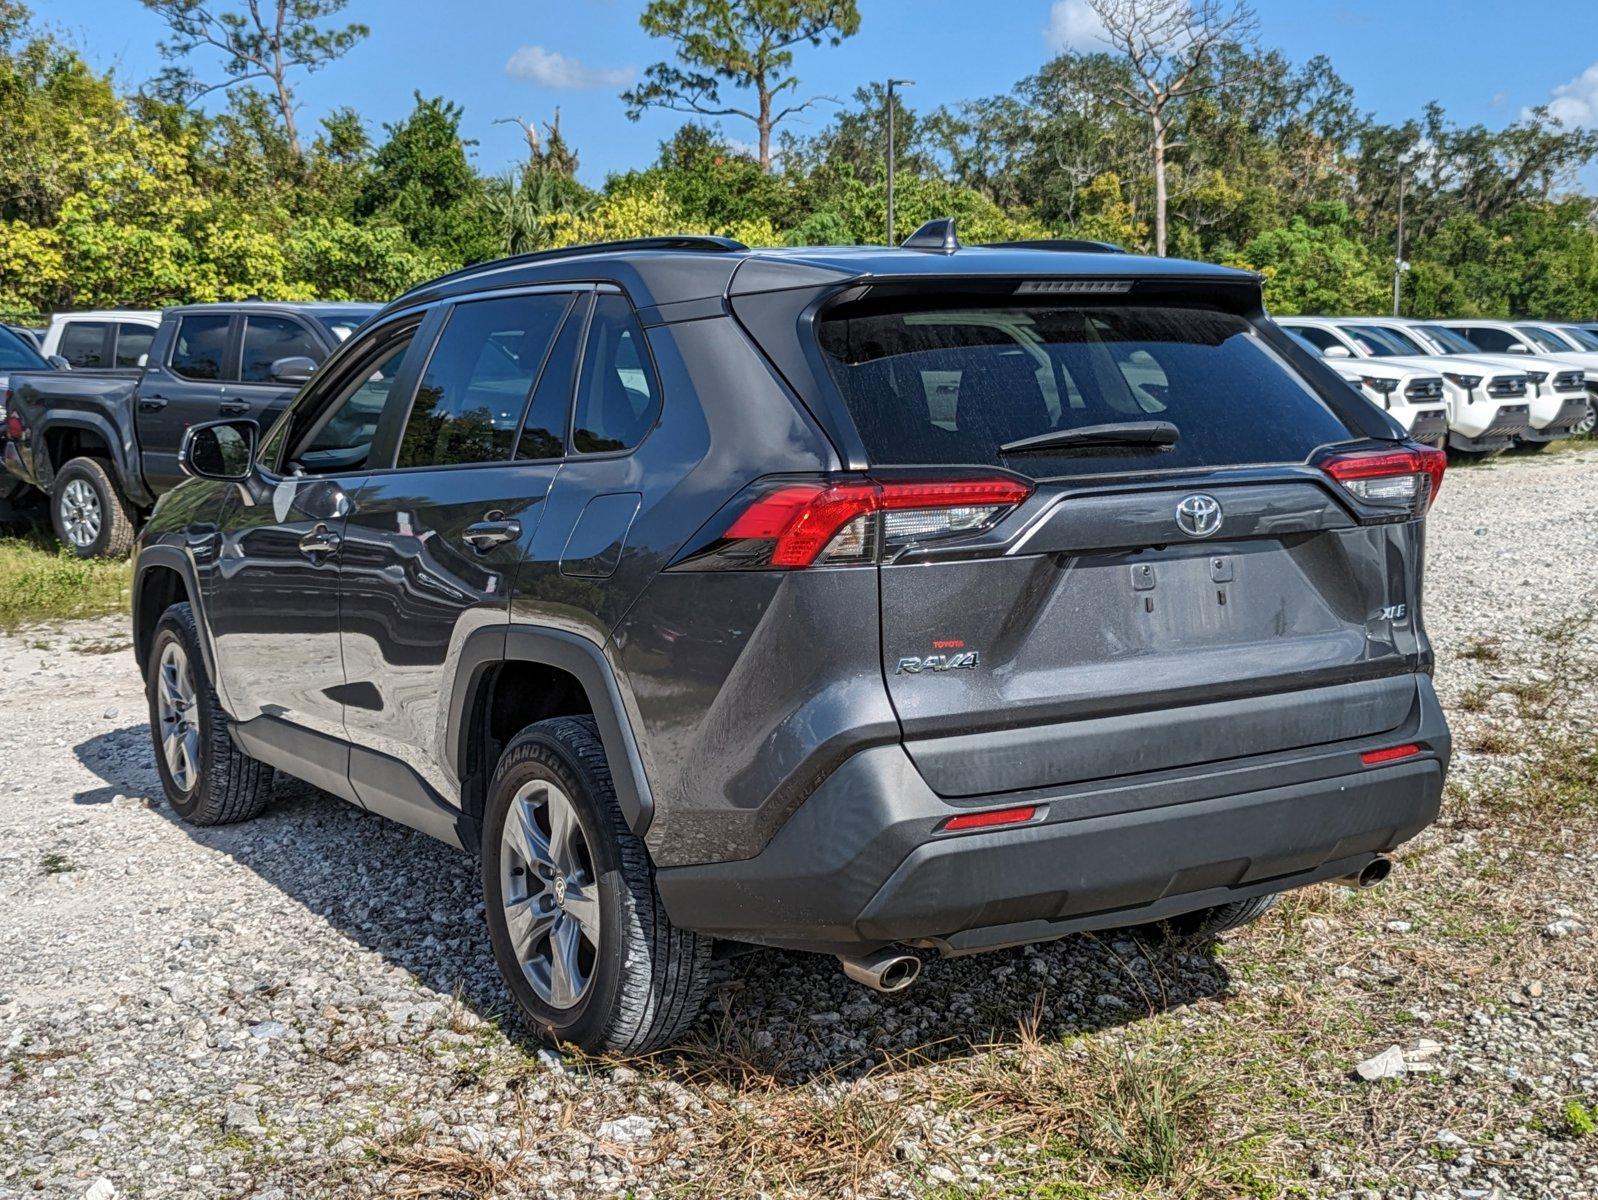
[
  {"x": 219, "y": 450},
  {"x": 1517, "y": 348},
  {"x": 57, "y": 363},
  {"x": 295, "y": 369},
  {"x": 1335, "y": 351}
]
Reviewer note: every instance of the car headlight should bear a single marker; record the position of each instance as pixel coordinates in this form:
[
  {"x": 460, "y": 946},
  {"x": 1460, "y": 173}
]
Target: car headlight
[
  {"x": 1382, "y": 387},
  {"x": 1465, "y": 381}
]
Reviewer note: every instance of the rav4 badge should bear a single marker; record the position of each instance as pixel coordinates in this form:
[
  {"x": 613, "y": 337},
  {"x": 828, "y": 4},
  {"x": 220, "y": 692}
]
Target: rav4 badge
[{"x": 936, "y": 662}]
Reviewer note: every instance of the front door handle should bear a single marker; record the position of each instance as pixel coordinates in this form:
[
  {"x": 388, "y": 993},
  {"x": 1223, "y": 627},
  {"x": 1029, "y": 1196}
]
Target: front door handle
[
  {"x": 320, "y": 540},
  {"x": 234, "y": 408},
  {"x": 152, "y": 403},
  {"x": 494, "y": 530}
]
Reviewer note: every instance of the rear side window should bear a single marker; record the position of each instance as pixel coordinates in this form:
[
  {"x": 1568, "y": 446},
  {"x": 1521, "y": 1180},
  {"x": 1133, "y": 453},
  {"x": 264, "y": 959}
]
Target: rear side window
[
  {"x": 1494, "y": 341},
  {"x": 199, "y": 346},
  {"x": 133, "y": 343},
  {"x": 83, "y": 344},
  {"x": 933, "y": 385},
  {"x": 616, "y": 401},
  {"x": 267, "y": 339},
  {"x": 469, "y": 405}
]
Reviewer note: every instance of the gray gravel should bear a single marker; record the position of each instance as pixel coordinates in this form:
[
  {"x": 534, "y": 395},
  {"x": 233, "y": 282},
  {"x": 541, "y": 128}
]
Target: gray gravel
[{"x": 259, "y": 1010}]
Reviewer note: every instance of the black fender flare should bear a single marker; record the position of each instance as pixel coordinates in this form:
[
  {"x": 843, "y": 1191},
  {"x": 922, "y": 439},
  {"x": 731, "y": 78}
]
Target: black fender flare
[
  {"x": 579, "y": 657},
  {"x": 175, "y": 559},
  {"x": 121, "y": 449}
]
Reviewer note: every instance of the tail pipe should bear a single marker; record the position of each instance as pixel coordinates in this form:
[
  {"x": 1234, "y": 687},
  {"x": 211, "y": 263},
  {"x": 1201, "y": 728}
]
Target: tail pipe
[
  {"x": 1373, "y": 872},
  {"x": 884, "y": 971}
]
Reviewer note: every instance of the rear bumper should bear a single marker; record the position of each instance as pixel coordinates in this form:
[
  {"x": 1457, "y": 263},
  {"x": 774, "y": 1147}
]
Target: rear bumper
[
  {"x": 1512, "y": 421},
  {"x": 1566, "y": 420},
  {"x": 861, "y": 863}
]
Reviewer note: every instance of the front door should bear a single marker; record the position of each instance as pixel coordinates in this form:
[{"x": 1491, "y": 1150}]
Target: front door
[
  {"x": 273, "y": 602},
  {"x": 431, "y": 546}
]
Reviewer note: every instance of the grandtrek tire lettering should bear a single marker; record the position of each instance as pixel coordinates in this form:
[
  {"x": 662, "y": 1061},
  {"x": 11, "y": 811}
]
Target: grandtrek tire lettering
[{"x": 937, "y": 662}]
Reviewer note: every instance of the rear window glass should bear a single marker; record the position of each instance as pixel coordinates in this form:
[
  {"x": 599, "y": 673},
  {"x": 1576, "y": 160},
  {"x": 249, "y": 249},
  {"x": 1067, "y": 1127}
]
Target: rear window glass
[{"x": 954, "y": 385}]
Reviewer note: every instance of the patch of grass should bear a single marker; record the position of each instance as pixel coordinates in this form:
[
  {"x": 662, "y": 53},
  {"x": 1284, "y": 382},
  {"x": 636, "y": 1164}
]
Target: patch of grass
[
  {"x": 1482, "y": 650},
  {"x": 41, "y": 582},
  {"x": 1494, "y": 739},
  {"x": 1475, "y": 699},
  {"x": 1580, "y": 1121},
  {"x": 421, "y": 1170},
  {"x": 56, "y": 864}
]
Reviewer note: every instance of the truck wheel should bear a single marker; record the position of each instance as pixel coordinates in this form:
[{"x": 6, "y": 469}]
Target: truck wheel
[
  {"x": 576, "y": 924},
  {"x": 1589, "y": 419},
  {"x": 90, "y": 515},
  {"x": 1205, "y": 924},
  {"x": 208, "y": 780}
]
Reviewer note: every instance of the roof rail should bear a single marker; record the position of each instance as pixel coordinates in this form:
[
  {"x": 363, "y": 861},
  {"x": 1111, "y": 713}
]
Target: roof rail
[
  {"x": 936, "y": 236},
  {"x": 1067, "y": 245},
  {"x": 675, "y": 241}
]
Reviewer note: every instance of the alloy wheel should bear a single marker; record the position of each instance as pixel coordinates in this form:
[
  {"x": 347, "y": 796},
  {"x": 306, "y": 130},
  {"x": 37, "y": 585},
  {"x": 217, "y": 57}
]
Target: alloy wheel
[
  {"x": 80, "y": 513},
  {"x": 551, "y": 893},
  {"x": 1589, "y": 420},
  {"x": 178, "y": 714}
]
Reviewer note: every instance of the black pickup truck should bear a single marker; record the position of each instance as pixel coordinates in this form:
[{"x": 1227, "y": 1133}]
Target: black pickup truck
[{"x": 104, "y": 446}]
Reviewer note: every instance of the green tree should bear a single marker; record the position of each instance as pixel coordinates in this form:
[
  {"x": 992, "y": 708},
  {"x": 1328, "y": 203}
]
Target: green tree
[
  {"x": 266, "y": 40},
  {"x": 1317, "y": 264},
  {"x": 743, "y": 44}
]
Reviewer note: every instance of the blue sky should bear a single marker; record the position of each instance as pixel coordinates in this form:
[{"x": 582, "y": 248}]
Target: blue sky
[{"x": 1485, "y": 61}]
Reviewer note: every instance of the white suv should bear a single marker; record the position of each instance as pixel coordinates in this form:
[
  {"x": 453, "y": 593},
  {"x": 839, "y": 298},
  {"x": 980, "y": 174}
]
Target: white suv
[
  {"x": 109, "y": 340},
  {"x": 1557, "y": 392},
  {"x": 1487, "y": 408},
  {"x": 1415, "y": 399}
]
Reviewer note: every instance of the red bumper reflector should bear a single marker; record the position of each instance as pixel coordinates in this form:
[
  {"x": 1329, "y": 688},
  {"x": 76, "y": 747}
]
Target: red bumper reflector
[
  {"x": 1392, "y": 753},
  {"x": 986, "y": 820}
]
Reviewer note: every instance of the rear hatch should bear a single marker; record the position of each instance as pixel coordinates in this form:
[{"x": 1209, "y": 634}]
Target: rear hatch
[{"x": 1150, "y": 605}]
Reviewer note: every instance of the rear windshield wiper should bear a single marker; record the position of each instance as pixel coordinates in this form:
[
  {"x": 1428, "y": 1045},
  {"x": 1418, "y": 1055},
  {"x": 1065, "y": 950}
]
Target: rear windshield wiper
[{"x": 1121, "y": 433}]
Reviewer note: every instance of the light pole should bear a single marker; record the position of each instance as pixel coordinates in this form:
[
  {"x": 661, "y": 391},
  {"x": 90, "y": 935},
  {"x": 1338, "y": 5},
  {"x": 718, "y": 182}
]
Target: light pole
[
  {"x": 892, "y": 83},
  {"x": 1399, "y": 265}
]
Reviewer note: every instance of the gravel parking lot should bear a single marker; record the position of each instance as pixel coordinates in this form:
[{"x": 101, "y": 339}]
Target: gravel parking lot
[{"x": 306, "y": 1005}]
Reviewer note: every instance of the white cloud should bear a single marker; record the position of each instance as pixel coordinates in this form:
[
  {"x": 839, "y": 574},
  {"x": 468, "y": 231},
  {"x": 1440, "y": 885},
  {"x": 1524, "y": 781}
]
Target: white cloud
[
  {"x": 1576, "y": 103},
  {"x": 549, "y": 68},
  {"x": 1073, "y": 25}
]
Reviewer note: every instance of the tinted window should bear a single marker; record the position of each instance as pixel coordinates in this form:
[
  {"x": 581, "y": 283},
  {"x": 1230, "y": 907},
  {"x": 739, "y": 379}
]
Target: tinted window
[
  {"x": 1544, "y": 339},
  {"x": 198, "y": 348},
  {"x": 1581, "y": 337},
  {"x": 1451, "y": 341},
  {"x": 1382, "y": 342},
  {"x": 133, "y": 343},
  {"x": 544, "y": 431},
  {"x": 1321, "y": 339},
  {"x": 267, "y": 339},
  {"x": 17, "y": 353},
  {"x": 341, "y": 439},
  {"x": 83, "y": 344},
  {"x": 469, "y": 405},
  {"x": 953, "y": 385},
  {"x": 616, "y": 403},
  {"x": 1494, "y": 341}
]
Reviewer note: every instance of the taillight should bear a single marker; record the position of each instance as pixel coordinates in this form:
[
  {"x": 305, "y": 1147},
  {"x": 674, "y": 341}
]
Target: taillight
[
  {"x": 1374, "y": 758},
  {"x": 799, "y": 525},
  {"x": 1019, "y": 815},
  {"x": 1407, "y": 477}
]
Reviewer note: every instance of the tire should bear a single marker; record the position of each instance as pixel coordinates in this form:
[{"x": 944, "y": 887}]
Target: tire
[
  {"x": 89, "y": 513},
  {"x": 638, "y": 983},
  {"x": 1588, "y": 425},
  {"x": 208, "y": 781},
  {"x": 1205, "y": 924}
]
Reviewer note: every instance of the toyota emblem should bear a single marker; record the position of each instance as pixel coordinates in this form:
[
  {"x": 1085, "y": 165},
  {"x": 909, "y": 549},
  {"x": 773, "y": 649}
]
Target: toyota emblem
[{"x": 1198, "y": 515}]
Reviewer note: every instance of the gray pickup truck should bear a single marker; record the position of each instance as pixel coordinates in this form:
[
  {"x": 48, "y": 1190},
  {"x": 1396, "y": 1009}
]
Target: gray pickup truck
[{"x": 102, "y": 447}]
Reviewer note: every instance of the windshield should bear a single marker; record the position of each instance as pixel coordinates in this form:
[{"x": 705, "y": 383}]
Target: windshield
[
  {"x": 948, "y": 384},
  {"x": 1544, "y": 339},
  {"x": 16, "y": 354},
  {"x": 1580, "y": 336},
  {"x": 1383, "y": 342},
  {"x": 1447, "y": 340}
]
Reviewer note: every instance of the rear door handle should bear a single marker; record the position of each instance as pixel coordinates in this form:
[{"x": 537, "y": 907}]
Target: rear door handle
[
  {"x": 152, "y": 403},
  {"x": 494, "y": 530},
  {"x": 234, "y": 408},
  {"x": 320, "y": 540}
]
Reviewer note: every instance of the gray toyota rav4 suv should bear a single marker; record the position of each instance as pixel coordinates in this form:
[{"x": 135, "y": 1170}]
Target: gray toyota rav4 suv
[{"x": 857, "y": 600}]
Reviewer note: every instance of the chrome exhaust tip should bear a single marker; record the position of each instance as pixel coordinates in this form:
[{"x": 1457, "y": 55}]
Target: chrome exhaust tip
[
  {"x": 1373, "y": 872},
  {"x": 885, "y": 971}
]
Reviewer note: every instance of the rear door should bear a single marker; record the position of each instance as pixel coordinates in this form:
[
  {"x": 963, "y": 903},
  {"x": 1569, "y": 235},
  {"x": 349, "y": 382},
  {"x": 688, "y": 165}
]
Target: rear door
[
  {"x": 1103, "y": 627},
  {"x": 183, "y": 388},
  {"x": 432, "y": 542}
]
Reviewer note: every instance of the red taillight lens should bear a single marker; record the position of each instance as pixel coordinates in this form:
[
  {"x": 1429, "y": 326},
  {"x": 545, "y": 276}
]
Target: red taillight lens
[
  {"x": 1372, "y": 758},
  {"x": 816, "y": 522},
  {"x": 994, "y": 816},
  {"x": 1410, "y": 475}
]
